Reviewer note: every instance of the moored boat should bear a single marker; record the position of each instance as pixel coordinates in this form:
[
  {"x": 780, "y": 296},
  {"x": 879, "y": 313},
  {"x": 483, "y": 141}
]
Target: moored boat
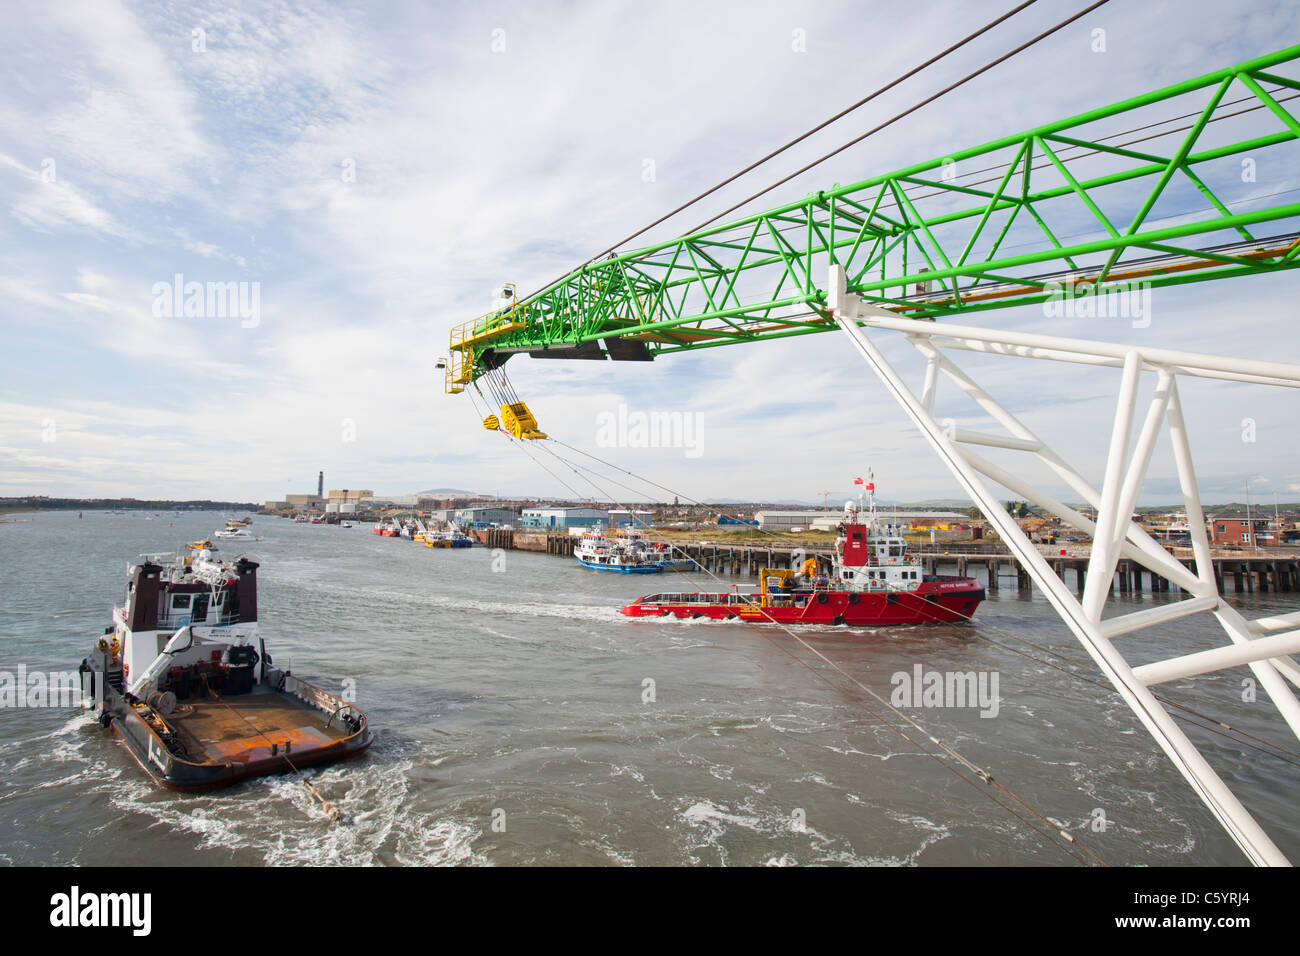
[
  {"x": 604, "y": 551},
  {"x": 626, "y": 552},
  {"x": 451, "y": 537}
]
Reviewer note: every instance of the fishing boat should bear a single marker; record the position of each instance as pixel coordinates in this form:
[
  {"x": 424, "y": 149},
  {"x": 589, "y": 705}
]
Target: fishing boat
[
  {"x": 873, "y": 582},
  {"x": 451, "y": 537},
  {"x": 183, "y": 678},
  {"x": 232, "y": 532}
]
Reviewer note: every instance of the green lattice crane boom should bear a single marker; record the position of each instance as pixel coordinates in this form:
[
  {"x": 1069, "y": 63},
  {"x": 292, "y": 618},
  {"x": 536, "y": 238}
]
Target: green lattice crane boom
[{"x": 1157, "y": 190}]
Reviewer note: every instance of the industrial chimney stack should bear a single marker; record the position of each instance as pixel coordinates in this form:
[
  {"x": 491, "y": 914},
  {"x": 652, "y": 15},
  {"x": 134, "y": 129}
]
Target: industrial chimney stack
[{"x": 320, "y": 485}]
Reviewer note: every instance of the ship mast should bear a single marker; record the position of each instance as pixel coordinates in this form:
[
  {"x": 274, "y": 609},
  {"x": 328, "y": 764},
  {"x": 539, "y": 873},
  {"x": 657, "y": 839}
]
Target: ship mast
[{"x": 869, "y": 505}]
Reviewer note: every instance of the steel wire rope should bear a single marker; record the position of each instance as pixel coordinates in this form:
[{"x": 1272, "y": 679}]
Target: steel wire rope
[
  {"x": 1264, "y": 746},
  {"x": 914, "y": 193},
  {"x": 966, "y": 763},
  {"x": 1210, "y": 723},
  {"x": 800, "y": 138},
  {"x": 907, "y": 112},
  {"x": 577, "y": 496}
]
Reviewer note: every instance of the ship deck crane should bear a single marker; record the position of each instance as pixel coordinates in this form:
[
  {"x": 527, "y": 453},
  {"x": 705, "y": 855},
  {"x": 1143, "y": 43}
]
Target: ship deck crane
[{"x": 1148, "y": 193}]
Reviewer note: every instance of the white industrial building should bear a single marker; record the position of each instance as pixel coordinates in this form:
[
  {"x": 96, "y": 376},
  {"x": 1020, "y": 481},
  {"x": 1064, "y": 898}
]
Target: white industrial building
[
  {"x": 830, "y": 520},
  {"x": 785, "y": 520},
  {"x": 498, "y": 516},
  {"x": 561, "y": 519}
]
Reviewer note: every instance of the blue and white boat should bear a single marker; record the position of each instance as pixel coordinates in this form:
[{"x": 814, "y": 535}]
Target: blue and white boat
[{"x": 625, "y": 552}]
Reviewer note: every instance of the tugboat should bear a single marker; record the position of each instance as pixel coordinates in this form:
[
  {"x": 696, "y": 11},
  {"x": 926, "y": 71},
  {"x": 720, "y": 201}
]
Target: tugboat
[
  {"x": 183, "y": 678},
  {"x": 874, "y": 582}
]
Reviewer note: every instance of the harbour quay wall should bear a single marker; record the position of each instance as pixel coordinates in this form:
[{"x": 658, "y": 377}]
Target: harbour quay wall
[{"x": 509, "y": 539}]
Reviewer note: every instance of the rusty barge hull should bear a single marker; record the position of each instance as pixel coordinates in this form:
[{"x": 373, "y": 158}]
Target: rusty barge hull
[{"x": 216, "y": 743}]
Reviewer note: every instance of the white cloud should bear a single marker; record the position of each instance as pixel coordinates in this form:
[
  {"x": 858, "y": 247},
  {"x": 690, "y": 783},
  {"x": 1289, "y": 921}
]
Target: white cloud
[
  {"x": 48, "y": 203},
  {"x": 129, "y": 117},
  {"x": 472, "y": 168}
]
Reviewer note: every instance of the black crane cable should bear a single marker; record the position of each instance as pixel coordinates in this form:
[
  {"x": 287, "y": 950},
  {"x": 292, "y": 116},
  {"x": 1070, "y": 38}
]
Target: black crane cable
[
  {"x": 907, "y": 112},
  {"x": 820, "y": 126},
  {"x": 1254, "y": 742},
  {"x": 1194, "y": 717},
  {"x": 1055, "y": 830},
  {"x": 914, "y": 193}
]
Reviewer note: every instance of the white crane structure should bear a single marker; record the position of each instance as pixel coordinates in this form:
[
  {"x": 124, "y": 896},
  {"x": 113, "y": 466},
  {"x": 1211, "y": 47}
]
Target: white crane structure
[{"x": 1115, "y": 642}]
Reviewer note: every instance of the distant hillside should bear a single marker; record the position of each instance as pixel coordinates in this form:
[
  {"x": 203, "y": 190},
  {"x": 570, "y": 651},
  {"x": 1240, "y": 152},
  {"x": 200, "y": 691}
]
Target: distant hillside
[{"x": 43, "y": 503}]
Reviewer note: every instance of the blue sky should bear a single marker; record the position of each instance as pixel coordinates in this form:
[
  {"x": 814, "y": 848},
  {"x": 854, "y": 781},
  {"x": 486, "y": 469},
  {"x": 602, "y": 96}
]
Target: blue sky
[{"x": 376, "y": 169}]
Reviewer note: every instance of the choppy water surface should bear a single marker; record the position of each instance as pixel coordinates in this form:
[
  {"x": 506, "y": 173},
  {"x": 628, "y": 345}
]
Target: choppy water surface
[{"x": 520, "y": 692}]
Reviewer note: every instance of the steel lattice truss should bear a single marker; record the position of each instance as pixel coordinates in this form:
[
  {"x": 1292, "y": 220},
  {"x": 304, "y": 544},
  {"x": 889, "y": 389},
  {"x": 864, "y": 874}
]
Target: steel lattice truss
[{"x": 1159, "y": 189}]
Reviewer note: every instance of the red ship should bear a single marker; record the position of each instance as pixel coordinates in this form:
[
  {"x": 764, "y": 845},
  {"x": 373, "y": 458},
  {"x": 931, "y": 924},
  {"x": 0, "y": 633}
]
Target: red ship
[{"x": 874, "y": 582}]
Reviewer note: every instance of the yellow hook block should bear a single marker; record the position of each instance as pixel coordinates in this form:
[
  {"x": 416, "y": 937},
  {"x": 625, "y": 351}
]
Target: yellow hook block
[{"x": 519, "y": 421}]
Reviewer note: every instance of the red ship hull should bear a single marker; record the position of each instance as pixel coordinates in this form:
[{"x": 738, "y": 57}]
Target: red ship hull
[{"x": 936, "y": 600}]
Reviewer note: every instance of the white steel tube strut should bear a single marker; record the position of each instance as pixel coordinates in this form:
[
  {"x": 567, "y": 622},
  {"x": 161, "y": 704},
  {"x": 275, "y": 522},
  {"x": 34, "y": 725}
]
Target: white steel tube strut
[{"x": 1114, "y": 533}]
